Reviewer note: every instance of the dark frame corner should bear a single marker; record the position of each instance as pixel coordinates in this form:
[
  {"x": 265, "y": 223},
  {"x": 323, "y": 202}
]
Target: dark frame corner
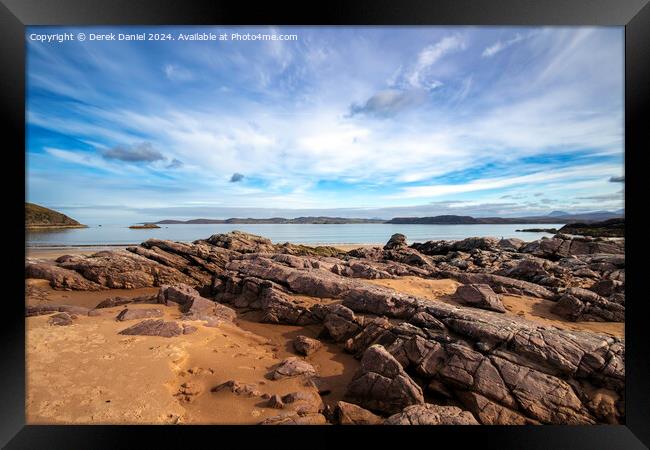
[{"x": 633, "y": 14}]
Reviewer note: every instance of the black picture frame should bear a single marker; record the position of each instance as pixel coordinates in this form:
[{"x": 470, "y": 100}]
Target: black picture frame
[{"x": 634, "y": 15}]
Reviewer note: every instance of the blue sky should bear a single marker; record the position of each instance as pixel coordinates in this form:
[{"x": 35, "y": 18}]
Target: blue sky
[{"x": 365, "y": 122}]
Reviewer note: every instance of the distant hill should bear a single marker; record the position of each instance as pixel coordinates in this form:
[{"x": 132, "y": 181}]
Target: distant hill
[
  {"x": 39, "y": 217},
  {"x": 606, "y": 228},
  {"x": 457, "y": 220},
  {"x": 554, "y": 217},
  {"x": 272, "y": 220}
]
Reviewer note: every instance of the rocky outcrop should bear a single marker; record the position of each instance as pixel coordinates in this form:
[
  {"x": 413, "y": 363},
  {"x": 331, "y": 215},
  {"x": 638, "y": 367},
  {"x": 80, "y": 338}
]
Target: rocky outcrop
[
  {"x": 497, "y": 368},
  {"x": 563, "y": 245},
  {"x": 59, "y": 277},
  {"x": 508, "y": 365},
  {"x": 480, "y": 296},
  {"x": 501, "y": 284},
  {"x": 381, "y": 384},
  {"x": 121, "y": 269},
  {"x": 583, "y": 305},
  {"x": 428, "y": 414}
]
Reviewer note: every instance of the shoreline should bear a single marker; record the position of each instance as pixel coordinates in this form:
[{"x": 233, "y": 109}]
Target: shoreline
[{"x": 55, "y": 251}]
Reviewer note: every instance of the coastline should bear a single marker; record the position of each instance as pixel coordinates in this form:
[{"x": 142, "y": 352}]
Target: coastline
[
  {"x": 232, "y": 358},
  {"x": 55, "y": 251}
]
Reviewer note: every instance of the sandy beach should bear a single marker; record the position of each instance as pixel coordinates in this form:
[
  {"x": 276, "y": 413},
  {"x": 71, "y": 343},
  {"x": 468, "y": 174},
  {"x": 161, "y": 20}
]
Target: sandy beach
[{"x": 83, "y": 369}]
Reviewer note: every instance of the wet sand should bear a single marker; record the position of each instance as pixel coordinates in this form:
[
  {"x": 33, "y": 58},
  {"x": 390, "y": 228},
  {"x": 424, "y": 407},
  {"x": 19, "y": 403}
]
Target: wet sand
[{"x": 87, "y": 373}]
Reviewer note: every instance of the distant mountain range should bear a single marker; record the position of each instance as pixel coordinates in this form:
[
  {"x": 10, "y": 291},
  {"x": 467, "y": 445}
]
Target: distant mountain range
[{"x": 554, "y": 217}]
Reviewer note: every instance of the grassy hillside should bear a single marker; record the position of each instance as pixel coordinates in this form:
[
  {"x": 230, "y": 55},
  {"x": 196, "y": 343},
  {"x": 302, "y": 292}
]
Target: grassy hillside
[{"x": 40, "y": 217}]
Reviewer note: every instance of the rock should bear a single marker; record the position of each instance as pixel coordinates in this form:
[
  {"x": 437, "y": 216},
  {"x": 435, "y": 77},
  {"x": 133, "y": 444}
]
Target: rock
[
  {"x": 121, "y": 269},
  {"x": 59, "y": 277},
  {"x": 340, "y": 323},
  {"x": 349, "y": 414},
  {"x": 193, "y": 305},
  {"x": 296, "y": 419},
  {"x": 275, "y": 402},
  {"x": 396, "y": 241},
  {"x": 131, "y": 314},
  {"x": 428, "y": 414},
  {"x": 291, "y": 367},
  {"x": 501, "y": 284},
  {"x": 241, "y": 242},
  {"x": 304, "y": 402},
  {"x": 480, "y": 296},
  {"x": 305, "y": 345},
  {"x": 61, "y": 319},
  {"x": 511, "y": 244},
  {"x": 154, "y": 327},
  {"x": 39, "y": 310},
  {"x": 583, "y": 305},
  {"x": 606, "y": 288},
  {"x": 119, "y": 301},
  {"x": 381, "y": 384},
  {"x": 528, "y": 269},
  {"x": 249, "y": 390},
  {"x": 562, "y": 245}
]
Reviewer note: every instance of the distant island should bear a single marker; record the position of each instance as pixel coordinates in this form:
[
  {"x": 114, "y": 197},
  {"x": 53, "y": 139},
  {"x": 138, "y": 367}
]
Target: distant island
[
  {"x": 554, "y": 217},
  {"x": 145, "y": 226},
  {"x": 40, "y": 218}
]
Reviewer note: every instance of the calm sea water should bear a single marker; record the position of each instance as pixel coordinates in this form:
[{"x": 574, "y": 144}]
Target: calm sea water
[{"x": 300, "y": 234}]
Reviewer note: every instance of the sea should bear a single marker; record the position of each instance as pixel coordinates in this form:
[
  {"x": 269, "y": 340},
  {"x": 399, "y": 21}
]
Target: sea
[{"x": 312, "y": 234}]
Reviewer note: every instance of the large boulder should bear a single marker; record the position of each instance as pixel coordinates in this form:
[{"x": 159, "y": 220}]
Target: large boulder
[
  {"x": 480, "y": 296},
  {"x": 292, "y": 367},
  {"x": 381, "y": 384},
  {"x": 428, "y": 414},
  {"x": 350, "y": 414},
  {"x": 241, "y": 242},
  {"x": 305, "y": 345},
  {"x": 396, "y": 241}
]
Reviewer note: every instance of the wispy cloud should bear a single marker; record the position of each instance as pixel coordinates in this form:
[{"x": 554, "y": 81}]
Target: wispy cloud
[
  {"x": 175, "y": 72},
  {"x": 499, "y": 46}
]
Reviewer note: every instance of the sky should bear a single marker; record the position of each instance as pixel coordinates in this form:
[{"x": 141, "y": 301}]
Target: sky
[{"x": 339, "y": 121}]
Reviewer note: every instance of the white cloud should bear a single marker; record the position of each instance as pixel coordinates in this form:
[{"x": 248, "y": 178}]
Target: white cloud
[
  {"x": 499, "y": 46},
  {"x": 419, "y": 75}
]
